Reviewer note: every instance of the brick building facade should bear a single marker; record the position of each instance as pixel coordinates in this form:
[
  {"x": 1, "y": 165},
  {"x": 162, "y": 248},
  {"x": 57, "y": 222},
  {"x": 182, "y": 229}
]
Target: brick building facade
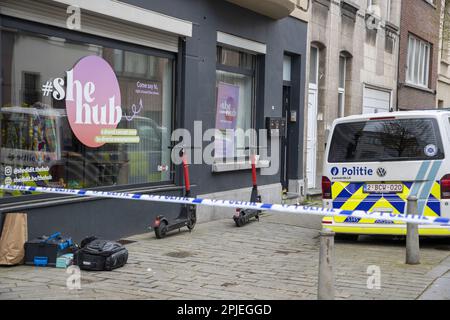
[{"x": 418, "y": 55}]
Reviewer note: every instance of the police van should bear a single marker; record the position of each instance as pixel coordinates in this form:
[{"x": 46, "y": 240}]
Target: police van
[{"x": 375, "y": 162}]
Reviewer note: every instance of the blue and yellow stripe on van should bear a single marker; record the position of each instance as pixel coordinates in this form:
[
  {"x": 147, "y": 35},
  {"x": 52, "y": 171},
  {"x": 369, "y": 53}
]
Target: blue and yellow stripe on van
[{"x": 351, "y": 196}]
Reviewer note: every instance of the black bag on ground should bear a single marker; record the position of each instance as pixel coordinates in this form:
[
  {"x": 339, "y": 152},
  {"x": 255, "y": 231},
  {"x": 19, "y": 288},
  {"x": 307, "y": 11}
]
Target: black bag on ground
[{"x": 97, "y": 254}]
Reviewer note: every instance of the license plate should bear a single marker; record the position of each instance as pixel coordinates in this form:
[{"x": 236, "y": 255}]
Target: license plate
[
  {"x": 383, "y": 188},
  {"x": 384, "y": 222}
]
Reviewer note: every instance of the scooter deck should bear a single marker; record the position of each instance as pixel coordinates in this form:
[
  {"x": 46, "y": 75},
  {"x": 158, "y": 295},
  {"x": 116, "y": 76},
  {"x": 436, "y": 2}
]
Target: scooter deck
[
  {"x": 245, "y": 216},
  {"x": 174, "y": 224}
]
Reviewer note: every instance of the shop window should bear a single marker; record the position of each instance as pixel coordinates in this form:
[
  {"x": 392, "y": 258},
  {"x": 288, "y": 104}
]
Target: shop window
[
  {"x": 38, "y": 146},
  {"x": 235, "y": 79},
  {"x": 118, "y": 60}
]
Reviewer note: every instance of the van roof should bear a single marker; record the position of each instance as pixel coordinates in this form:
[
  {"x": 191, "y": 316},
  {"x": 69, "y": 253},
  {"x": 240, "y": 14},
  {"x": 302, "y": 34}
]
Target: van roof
[{"x": 399, "y": 114}]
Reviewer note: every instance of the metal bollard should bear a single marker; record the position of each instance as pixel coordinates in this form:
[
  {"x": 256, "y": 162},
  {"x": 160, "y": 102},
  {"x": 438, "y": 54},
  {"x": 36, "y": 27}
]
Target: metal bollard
[
  {"x": 325, "y": 289},
  {"x": 412, "y": 234}
]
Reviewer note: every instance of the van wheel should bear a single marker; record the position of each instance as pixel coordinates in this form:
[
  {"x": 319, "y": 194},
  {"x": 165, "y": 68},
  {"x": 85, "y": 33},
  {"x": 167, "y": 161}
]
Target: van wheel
[{"x": 346, "y": 237}]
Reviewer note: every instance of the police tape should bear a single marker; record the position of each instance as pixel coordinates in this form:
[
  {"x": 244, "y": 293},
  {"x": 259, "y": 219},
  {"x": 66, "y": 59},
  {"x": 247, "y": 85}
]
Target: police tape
[{"x": 298, "y": 209}]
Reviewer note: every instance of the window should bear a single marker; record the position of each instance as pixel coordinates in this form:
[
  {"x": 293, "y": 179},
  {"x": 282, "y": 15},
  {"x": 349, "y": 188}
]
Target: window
[
  {"x": 235, "y": 78},
  {"x": 386, "y": 140},
  {"x": 314, "y": 66},
  {"x": 445, "y": 33},
  {"x": 38, "y": 145},
  {"x": 287, "y": 67},
  {"x": 389, "y": 42},
  {"x": 371, "y": 36},
  {"x": 418, "y": 64},
  {"x": 341, "y": 89}
]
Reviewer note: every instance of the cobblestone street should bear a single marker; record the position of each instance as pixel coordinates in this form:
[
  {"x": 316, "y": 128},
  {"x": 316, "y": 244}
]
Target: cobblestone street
[{"x": 276, "y": 258}]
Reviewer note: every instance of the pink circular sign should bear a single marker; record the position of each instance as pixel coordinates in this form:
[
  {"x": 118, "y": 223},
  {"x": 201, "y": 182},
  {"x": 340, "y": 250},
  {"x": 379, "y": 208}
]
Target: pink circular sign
[{"x": 93, "y": 101}]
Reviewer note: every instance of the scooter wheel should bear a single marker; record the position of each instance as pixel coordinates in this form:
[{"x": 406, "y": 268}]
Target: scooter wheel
[
  {"x": 161, "y": 231},
  {"x": 192, "y": 220}
]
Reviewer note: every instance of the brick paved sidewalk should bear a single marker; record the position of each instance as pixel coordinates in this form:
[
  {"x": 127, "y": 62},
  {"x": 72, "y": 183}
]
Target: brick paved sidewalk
[
  {"x": 276, "y": 258},
  {"x": 440, "y": 288}
]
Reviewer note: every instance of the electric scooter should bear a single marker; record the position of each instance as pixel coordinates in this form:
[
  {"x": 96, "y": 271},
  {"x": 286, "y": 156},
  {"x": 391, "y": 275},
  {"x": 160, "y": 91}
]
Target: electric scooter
[
  {"x": 187, "y": 216},
  {"x": 243, "y": 216}
]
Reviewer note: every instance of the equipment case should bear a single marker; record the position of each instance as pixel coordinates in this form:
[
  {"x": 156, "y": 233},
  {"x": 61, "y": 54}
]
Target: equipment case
[{"x": 44, "y": 251}]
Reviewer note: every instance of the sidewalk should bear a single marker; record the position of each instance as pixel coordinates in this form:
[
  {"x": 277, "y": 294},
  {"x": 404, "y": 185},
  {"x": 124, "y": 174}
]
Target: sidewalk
[
  {"x": 440, "y": 288},
  {"x": 276, "y": 258}
]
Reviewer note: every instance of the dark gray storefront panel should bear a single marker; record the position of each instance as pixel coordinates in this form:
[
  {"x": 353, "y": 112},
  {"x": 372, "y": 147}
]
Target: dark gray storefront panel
[{"x": 110, "y": 219}]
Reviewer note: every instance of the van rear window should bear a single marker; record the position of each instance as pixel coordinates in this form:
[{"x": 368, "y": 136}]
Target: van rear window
[{"x": 386, "y": 140}]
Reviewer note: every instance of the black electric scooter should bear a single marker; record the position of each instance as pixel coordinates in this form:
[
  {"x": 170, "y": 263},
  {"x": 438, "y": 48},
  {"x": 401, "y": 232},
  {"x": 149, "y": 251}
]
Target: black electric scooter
[
  {"x": 187, "y": 216},
  {"x": 243, "y": 216}
]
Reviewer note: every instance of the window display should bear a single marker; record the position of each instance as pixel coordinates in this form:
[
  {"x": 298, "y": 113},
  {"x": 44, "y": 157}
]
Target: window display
[{"x": 80, "y": 115}]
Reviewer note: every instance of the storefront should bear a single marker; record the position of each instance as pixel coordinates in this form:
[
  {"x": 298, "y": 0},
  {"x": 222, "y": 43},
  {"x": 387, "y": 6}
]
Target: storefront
[{"x": 95, "y": 107}]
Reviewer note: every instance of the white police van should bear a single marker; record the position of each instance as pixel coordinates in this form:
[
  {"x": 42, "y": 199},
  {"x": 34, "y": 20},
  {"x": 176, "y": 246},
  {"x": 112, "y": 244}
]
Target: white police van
[{"x": 375, "y": 162}]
